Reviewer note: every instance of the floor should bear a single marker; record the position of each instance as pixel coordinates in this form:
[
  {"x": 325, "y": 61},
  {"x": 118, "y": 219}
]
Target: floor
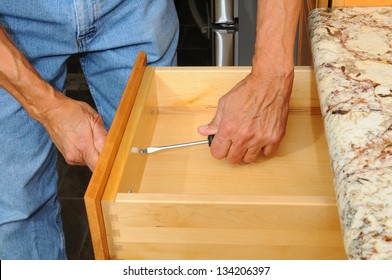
[{"x": 193, "y": 50}]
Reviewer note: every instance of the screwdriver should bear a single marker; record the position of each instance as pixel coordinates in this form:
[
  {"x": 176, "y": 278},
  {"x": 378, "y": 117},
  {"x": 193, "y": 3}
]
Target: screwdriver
[{"x": 159, "y": 148}]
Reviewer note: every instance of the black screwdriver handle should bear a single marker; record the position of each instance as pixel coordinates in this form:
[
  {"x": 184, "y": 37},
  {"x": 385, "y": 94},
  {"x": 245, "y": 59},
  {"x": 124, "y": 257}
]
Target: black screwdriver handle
[{"x": 210, "y": 138}]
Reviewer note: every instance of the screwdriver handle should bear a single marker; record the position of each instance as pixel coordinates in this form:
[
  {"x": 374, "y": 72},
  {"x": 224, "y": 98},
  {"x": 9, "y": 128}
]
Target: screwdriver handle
[{"x": 210, "y": 138}]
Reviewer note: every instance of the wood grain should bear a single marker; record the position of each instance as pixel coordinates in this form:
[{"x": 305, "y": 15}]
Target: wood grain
[
  {"x": 138, "y": 134},
  {"x": 101, "y": 173},
  {"x": 187, "y": 205},
  {"x": 225, "y": 226}
]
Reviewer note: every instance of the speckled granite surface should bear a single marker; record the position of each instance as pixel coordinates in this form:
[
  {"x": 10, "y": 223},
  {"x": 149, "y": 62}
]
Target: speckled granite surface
[{"x": 352, "y": 52}]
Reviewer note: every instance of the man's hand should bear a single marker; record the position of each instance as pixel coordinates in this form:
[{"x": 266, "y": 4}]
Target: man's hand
[
  {"x": 251, "y": 118},
  {"x": 77, "y": 130}
]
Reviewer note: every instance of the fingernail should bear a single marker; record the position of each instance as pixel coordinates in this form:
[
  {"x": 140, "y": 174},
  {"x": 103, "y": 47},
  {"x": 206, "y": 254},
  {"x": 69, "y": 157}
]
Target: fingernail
[{"x": 204, "y": 127}]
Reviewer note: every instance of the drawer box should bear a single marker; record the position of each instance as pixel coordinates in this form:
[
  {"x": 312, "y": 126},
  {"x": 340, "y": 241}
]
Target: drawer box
[{"x": 183, "y": 203}]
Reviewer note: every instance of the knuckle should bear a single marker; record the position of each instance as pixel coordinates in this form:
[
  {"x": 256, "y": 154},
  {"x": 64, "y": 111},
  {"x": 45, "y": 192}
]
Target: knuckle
[
  {"x": 221, "y": 101},
  {"x": 70, "y": 159},
  {"x": 275, "y": 137},
  {"x": 246, "y": 136},
  {"x": 227, "y": 130}
]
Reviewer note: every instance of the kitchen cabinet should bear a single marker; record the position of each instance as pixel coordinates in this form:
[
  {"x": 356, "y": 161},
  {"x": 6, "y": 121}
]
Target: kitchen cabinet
[{"x": 183, "y": 203}]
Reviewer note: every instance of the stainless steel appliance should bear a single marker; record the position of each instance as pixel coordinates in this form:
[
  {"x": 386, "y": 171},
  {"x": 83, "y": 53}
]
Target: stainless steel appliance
[{"x": 231, "y": 27}]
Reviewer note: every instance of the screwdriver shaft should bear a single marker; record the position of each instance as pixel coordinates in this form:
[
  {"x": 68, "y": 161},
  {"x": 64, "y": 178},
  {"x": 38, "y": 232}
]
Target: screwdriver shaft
[{"x": 159, "y": 148}]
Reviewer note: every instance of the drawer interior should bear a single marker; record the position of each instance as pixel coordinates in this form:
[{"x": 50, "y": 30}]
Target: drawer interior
[
  {"x": 173, "y": 102},
  {"x": 184, "y": 204},
  {"x": 194, "y": 170}
]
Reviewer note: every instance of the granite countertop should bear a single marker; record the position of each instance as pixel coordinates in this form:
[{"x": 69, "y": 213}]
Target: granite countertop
[{"x": 352, "y": 52}]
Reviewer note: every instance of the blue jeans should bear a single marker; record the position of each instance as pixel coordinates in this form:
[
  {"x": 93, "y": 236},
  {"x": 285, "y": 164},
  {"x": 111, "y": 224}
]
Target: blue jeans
[{"x": 108, "y": 35}]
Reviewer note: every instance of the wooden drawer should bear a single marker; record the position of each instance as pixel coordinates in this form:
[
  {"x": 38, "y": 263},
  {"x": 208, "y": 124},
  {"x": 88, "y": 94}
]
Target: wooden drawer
[{"x": 184, "y": 204}]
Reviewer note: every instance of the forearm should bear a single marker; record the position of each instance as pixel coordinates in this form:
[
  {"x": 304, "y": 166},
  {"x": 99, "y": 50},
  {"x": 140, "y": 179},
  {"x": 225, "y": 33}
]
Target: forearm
[
  {"x": 276, "y": 31},
  {"x": 22, "y": 81}
]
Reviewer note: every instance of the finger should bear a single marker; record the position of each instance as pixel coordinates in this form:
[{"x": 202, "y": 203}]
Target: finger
[
  {"x": 220, "y": 146},
  {"x": 236, "y": 153},
  {"x": 91, "y": 159},
  {"x": 99, "y": 135},
  {"x": 252, "y": 154},
  {"x": 270, "y": 149}
]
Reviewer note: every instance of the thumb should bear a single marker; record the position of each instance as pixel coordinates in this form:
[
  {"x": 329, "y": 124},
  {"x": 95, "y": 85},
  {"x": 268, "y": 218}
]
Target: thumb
[
  {"x": 99, "y": 135},
  {"x": 91, "y": 159},
  {"x": 212, "y": 127},
  {"x": 208, "y": 129}
]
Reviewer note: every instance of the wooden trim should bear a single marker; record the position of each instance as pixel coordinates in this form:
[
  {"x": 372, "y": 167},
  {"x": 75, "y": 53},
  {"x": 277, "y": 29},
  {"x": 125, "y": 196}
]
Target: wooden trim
[
  {"x": 322, "y": 3},
  {"x": 304, "y": 55},
  {"x": 101, "y": 173},
  {"x": 300, "y": 33},
  {"x": 309, "y": 5}
]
